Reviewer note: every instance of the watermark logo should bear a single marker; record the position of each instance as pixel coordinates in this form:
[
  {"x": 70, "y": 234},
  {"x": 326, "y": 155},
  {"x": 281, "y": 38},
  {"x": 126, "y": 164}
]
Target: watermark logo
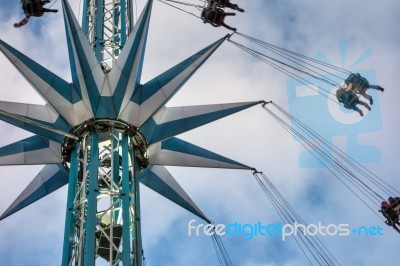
[
  {"x": 249, "y": 231},
  {"x": 332, "y": 120}
]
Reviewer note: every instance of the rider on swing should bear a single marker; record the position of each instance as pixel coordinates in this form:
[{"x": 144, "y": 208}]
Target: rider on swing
[
  {"x": 33, "y": 8},
  {"x": 350, "y": 100},
  {"x": 226, "y": 3},
  {"x": 392, "y": 218},
  {"x": 215, "y": 15},
  {"x": 358, "y": 84}
]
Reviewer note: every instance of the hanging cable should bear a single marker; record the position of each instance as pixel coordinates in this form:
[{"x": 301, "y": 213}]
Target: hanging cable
[
  {"x": 313, "y": 249},
  {"x": 293, "y": 57},
  {"x": 183, "y": 3},
  {"x": 222, "y": 254},
  {"x": 297, "y": 216},
  {"x": 284, "y": 64},
  {"x": 219, "y": 257},
  {"x": 291, "y": 74},
  {"x": 166, "y": 3},
  {"x": 280, "y": 212},
  {"x": 300, "y": 68},
  {"x": 335, "y": 150},
  {"x": 315, "y": 148},
  {"x": 324, "y": 160},
  {"x": 347, "y": 170},
  {"x": 53, "y": 3},
  {"x": 376, "y": 180},
  {"x": 266, "y": 44},
  {"x": 304, "y": 64},
  {"x": 302, "y": 80}
]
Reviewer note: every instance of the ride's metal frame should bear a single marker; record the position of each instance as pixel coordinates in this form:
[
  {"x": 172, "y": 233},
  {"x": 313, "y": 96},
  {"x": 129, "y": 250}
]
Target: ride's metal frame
[
  {"x": 103, "y": 192},
  {"x": 105, "y": 131},
  {"x": 107, "y": 24}
]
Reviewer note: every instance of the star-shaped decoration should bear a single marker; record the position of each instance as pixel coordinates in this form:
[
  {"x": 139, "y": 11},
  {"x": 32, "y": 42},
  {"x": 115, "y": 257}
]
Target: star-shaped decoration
[{"x": 115, "y": 95}]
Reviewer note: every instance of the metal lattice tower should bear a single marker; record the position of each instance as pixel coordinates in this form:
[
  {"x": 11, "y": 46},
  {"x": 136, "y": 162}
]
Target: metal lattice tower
[
  {"x": 103, "y": 216},
  {"x": 103, "y": 199},
  {"x": 107, "y": 24},
  {"x": 104, "y": 132}
]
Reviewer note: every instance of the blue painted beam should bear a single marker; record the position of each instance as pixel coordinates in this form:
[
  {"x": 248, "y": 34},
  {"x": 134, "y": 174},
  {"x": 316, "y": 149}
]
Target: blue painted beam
[
  {"x": 30, "y": 151},
  {"x": 91, "y": 210},
  {"x": 161, "y": 181},
  {"x": 49, "y": 179},
  {"x": 177, "y": 152},
  {"x": 172, "y": 121},
  {"x": 125, "y": 74},
  {"x": 69, "y": 231}
]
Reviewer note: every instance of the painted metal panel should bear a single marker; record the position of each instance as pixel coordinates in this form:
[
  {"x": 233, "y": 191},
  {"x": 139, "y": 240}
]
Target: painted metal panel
[
  {"x": 54, "y": 90},
  {"x": 171, "y": 121},
  {"x": 41, "y": 113},
  {"x": 41, "y": 129},
  {"x": 177, "y": 152},
  {"x": 88, "y": 77},
  {"x": 32, "y": 150},
  {"x": 159, "y": 90},
  {"x": 125, "y": 74},
  {"x": 49, "y": 179},
  {"x": 41, "y": 78},
  {"x": 161, "y": 181},
  {"x": 131, "y": 114}
]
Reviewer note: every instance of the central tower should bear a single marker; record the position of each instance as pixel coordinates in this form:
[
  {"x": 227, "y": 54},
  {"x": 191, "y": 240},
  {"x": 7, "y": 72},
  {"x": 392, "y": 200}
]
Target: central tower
[
  {"x": 107, "y": 24},
  {"x": 103, "y": 214}
]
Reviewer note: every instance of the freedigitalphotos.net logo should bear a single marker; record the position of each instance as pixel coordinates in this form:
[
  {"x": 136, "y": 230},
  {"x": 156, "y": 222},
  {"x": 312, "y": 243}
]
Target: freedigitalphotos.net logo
[{"x": 249, "y": 231}]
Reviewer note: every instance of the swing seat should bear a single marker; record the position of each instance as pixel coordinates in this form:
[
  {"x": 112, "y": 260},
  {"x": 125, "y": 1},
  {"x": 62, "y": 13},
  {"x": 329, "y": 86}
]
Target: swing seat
[
  {"x": 349, "y": 100},
  {"x": 358, "y": 81},
  {"x": 212, "y": 17},
  {"x": 33, "y": 8}
]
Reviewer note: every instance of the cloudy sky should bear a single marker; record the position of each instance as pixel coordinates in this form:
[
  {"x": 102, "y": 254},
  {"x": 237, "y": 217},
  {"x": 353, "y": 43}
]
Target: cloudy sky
[{"x": 34, "y": 236}]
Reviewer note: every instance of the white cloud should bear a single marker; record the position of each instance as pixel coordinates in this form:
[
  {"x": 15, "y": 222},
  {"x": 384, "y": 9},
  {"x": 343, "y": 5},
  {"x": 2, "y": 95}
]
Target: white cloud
[{"x": 251, "y": 137}]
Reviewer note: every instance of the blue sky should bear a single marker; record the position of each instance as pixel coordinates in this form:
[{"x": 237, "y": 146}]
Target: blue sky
[{"x": 34, "y": 236}]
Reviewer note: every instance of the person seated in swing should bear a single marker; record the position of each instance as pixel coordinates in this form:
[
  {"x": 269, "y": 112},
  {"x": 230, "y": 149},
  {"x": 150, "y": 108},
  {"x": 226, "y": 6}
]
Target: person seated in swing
[
  {"x": 216, "y": 16},
  {"x": 350, "y": 100},
  {"x": 359, "y": 85},
  {"x": 392, "y": 218},
  {"x": 394, "y": 203},
  {"x": 33, "y": 8},
  {"x": 225, "y": 3}
]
